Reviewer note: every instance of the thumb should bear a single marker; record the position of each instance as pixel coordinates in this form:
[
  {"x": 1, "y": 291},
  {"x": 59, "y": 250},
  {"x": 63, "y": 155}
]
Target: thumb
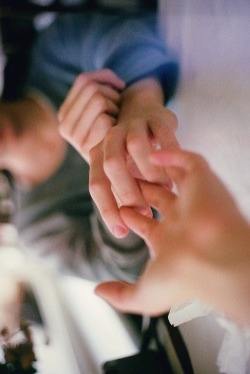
[
  {"x": 137, "y": 222},
  {"x": 119, "y": 295}
]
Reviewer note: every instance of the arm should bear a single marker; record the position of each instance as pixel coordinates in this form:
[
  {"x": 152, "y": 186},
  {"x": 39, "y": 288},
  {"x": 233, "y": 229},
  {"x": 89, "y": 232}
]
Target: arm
[
  {"x": 150, "y": 71},
  {"x": 199, "y": 250}
]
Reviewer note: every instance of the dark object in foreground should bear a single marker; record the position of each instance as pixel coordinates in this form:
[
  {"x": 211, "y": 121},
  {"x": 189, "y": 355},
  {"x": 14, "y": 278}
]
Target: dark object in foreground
[{"x": 18, "y": 351}]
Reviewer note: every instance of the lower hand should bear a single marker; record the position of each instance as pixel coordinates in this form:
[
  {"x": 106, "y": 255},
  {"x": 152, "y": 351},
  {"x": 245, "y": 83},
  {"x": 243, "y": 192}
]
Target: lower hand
[{"x": 199, "y": 249}]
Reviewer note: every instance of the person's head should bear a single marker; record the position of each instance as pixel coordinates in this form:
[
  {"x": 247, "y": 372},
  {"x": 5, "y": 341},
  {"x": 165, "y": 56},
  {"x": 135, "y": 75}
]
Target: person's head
[
  {"x": 8, "y": 135},
  {"x": 29, "y": 137}
]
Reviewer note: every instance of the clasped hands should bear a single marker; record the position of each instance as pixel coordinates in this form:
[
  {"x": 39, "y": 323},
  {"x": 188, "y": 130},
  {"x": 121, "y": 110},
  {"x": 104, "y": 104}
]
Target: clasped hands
[
  {"x": 199, "y": 248},
  {"x": 115, "y": 128}
]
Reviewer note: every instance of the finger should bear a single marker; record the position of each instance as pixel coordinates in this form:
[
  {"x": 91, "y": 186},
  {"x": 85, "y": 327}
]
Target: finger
[
  {"x": 138, "y": 223},
  {"x": 94, "y": 97},
  {"x": 91, "y": 113},
  {"x": 163, "y": 130},
  {"x": 180, "y": 158},
  {"x": 180, "y": 164},
  {"x": 95, "y": 134},
  {"x": 165, "y": 137},
  {"x": 105, "y": 76},
  {"x": 100, "y": 104},
  {"x": 123, "y": 183},
  {"x": 148, "y": 296},
  {"x": 163, "y": 134},
  {"x": 119, "y": 295},
  {"x": 178, "y": 176},
  {"x": 139, "y": 145},
  {"x": 157, "y": 197},
  {"x": 100, "y": 190},
  {"x": 73, "y": 111},
  {"x": 73, "y": 93}
]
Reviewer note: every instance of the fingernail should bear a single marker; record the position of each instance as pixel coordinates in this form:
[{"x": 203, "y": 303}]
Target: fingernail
[
  {"x": 120, "y": 231},
  {"x": 145, "y": 211},
  {"x": 169, "y": 184}
]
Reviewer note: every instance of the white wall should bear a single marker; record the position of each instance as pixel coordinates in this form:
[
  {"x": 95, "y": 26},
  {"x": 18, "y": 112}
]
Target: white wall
[
  {"x": 212, "y": 39},
  {"x": 212, "y": 103}
]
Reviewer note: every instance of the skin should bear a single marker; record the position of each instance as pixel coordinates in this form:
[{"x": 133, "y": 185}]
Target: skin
[
  {"x": 29, "y": 137},
  {"x": 200, "y": 248},
  {"x": 29, "y": 133},
  {"x": 112, "y": 126},
  {"x": 117, "y": 150},
  {"x": 90, "y": 108}
]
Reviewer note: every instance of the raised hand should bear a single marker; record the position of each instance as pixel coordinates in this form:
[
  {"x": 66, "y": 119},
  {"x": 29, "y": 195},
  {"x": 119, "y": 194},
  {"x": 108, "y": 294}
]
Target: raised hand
[
  {"x": 90, "y": 108},
  {"x": 121, "y": 159},
  {"x": 199, "y": 248}
]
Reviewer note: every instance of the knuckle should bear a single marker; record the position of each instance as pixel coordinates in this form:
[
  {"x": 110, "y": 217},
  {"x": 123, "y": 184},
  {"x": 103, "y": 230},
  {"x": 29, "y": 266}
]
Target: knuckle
[
  {"x": 134, "y": 142},
  {"x": 111, "y": 164},
  {"x": 81, "y": 79},
  {"x": 105, "y": 121},
  {"x": 169, "y": 121},
  {"x": 154, "y": 175},
  {"x": 95, "y": 187},
  {"x": 100, "y": 102},
  {"x": 129, "y": 198},
  {"x": 84, "y": 149},
  {"x": 93, "y": 88},
  {"x": 63, "y": 131},
  {"x": 108, "y": 73}
]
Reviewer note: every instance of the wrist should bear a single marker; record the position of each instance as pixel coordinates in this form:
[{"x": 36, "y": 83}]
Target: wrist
[{"x": 140, "y": 98}]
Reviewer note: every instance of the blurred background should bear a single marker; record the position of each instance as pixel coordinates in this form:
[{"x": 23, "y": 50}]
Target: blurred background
[{"x": 22, "y": 19}]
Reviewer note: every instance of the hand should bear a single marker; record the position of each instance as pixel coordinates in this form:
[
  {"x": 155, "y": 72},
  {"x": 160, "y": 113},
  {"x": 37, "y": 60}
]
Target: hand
[
  {"x": 90, "y": 108},
  {"x": 121, "y": 159},
  {"x": 199, "y": 249}
]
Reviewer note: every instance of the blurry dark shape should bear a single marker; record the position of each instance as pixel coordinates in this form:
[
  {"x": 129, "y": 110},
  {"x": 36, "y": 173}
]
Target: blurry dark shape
[
  {"x": 151, "y": 359},
  {"x": 6, "y": 203},
  {"x": 19, "y": 32},
  {"x": 36, "y": 6},
  {"x": 19, "y": 356}
]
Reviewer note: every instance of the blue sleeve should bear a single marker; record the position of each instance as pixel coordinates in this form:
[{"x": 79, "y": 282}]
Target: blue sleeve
[
  {"x": 134, "y": 49},
  {"x": 128, "y": 45}
]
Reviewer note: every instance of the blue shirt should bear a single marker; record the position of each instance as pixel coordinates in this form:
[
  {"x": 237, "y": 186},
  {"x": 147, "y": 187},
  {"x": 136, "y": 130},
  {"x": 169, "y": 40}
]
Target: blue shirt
[{"x": 129, "y": 45}]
